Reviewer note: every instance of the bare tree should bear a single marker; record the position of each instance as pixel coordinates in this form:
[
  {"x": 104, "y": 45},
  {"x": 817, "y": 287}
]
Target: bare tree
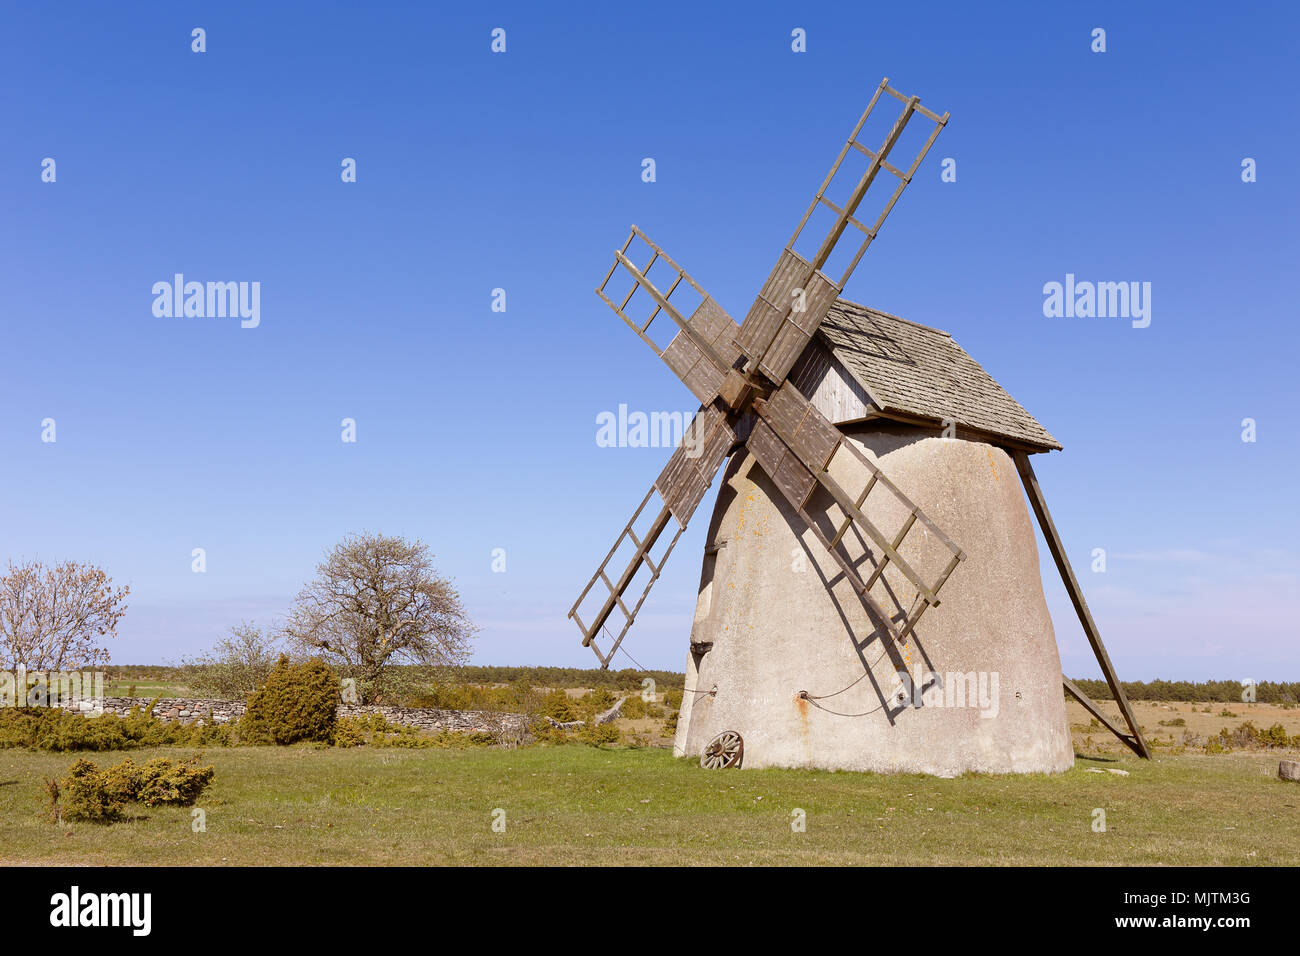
[
  {"x": 53, "y": 618},
  {"x": 235, "y": 667},
  {"x": 376, "y": 601}
]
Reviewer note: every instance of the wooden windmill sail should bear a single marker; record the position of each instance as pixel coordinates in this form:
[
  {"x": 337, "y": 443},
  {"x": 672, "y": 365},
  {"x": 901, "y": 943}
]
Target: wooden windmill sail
[{"x": 740, "y": 374}]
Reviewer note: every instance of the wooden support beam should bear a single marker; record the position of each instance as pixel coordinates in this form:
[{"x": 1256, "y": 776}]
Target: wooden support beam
[
  {"x": 1039, "y": 503},
  {"x": 1093, "y": 709}
]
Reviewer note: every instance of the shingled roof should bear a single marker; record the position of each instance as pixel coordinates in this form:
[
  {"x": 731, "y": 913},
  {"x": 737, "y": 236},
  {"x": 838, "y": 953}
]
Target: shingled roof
[{"x": 916, "y": 371}]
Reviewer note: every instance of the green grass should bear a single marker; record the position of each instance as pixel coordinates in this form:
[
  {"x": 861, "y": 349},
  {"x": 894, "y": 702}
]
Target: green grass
[{"x": 577, "y": 805}]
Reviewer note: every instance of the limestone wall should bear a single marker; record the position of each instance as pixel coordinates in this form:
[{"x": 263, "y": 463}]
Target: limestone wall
[{"x": 187, "y": 710}]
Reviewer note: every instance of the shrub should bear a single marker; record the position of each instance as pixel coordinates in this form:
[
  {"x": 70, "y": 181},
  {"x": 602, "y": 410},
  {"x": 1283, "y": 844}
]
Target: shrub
[
  {"x": 58, "y": 730},
  {"x": 1249, "y": 737},
  {"x": 374, "y": 730},
  {"x": 673, "y": 699},
  {"x": 670, "y": 725},
  {"x": 558, "y": 706},
  {"x": 1176, "y": 722},
  {"x": 161, "y": 781},
  {"x": 1276, "y": 736},
  {"x": 298, "y": 702},
  {"x": 596, "y": 702},
  {"x": 121, "y": 782},
  {"x": 599, "y": 734},
  {"x": 99, "y": 796},
  {"x": 544, "y": 731},
  {"x": 448, "y": 697},
  {"x": 84, "y": 794},
  {"x": 356, "y": 731}
]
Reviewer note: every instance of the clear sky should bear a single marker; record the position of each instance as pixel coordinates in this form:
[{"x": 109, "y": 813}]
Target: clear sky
[{"x": 522, "y": 170}]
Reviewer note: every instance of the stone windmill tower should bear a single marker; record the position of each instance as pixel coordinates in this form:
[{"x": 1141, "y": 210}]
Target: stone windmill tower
[{"x": 862, "y": 448}]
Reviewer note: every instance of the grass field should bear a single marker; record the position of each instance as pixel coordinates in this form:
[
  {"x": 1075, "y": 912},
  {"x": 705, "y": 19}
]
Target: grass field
[{"x": 579, "y": 805}]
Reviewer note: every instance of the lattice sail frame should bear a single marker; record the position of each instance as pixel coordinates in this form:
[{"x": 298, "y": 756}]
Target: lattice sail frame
[
  {"x": 739, "y": 371},
  {"x": 704, "y": 348},
  {"x": 797, "y": 295},
  {"x": 615, "y": 599},
  {"x": 679, "y": 489}
]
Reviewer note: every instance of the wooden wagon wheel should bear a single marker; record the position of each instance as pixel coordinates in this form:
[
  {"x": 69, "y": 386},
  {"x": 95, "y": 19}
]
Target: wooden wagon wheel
[{"x": 724, "y": 750}]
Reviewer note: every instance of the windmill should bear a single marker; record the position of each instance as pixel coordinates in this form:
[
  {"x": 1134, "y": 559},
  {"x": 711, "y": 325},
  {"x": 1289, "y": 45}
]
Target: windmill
[{"x": 877, "y": 545}]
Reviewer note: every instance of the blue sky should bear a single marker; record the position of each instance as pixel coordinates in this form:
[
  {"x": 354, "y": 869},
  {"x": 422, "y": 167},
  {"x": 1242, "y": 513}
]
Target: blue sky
[{"x": 476, "y": 429}]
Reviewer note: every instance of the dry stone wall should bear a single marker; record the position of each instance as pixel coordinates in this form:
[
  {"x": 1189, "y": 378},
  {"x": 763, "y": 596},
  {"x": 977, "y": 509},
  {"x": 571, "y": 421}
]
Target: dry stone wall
[{"x": 187, "y": 710}]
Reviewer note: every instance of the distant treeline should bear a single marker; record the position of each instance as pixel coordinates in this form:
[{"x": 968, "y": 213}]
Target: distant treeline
[
  {"x": 1210, "y": 691},
  {"x": 627, "y": 679}
]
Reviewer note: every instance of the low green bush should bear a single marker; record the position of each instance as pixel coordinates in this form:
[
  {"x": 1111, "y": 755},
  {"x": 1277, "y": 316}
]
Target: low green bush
[
  {"x": 598, "y": 735},
  {"x": 84, "y": 794},
  {"x": 596, "y": 702},
  {"x": 57, "y": 730},
  {"x": 543, "y": 731},
  {"x": 160, "y": 781},
  {"x": 89, "y": 794},
  {"x": 373, "y": 730},
  {"x": 558, "y": 706},
  {"x": 356, "y": 731},
  {"x": 1249, "y": 737}
]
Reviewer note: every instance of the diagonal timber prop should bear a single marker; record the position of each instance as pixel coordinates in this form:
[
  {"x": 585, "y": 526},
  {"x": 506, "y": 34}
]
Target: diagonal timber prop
[{"x": 1134, "y": 739}]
